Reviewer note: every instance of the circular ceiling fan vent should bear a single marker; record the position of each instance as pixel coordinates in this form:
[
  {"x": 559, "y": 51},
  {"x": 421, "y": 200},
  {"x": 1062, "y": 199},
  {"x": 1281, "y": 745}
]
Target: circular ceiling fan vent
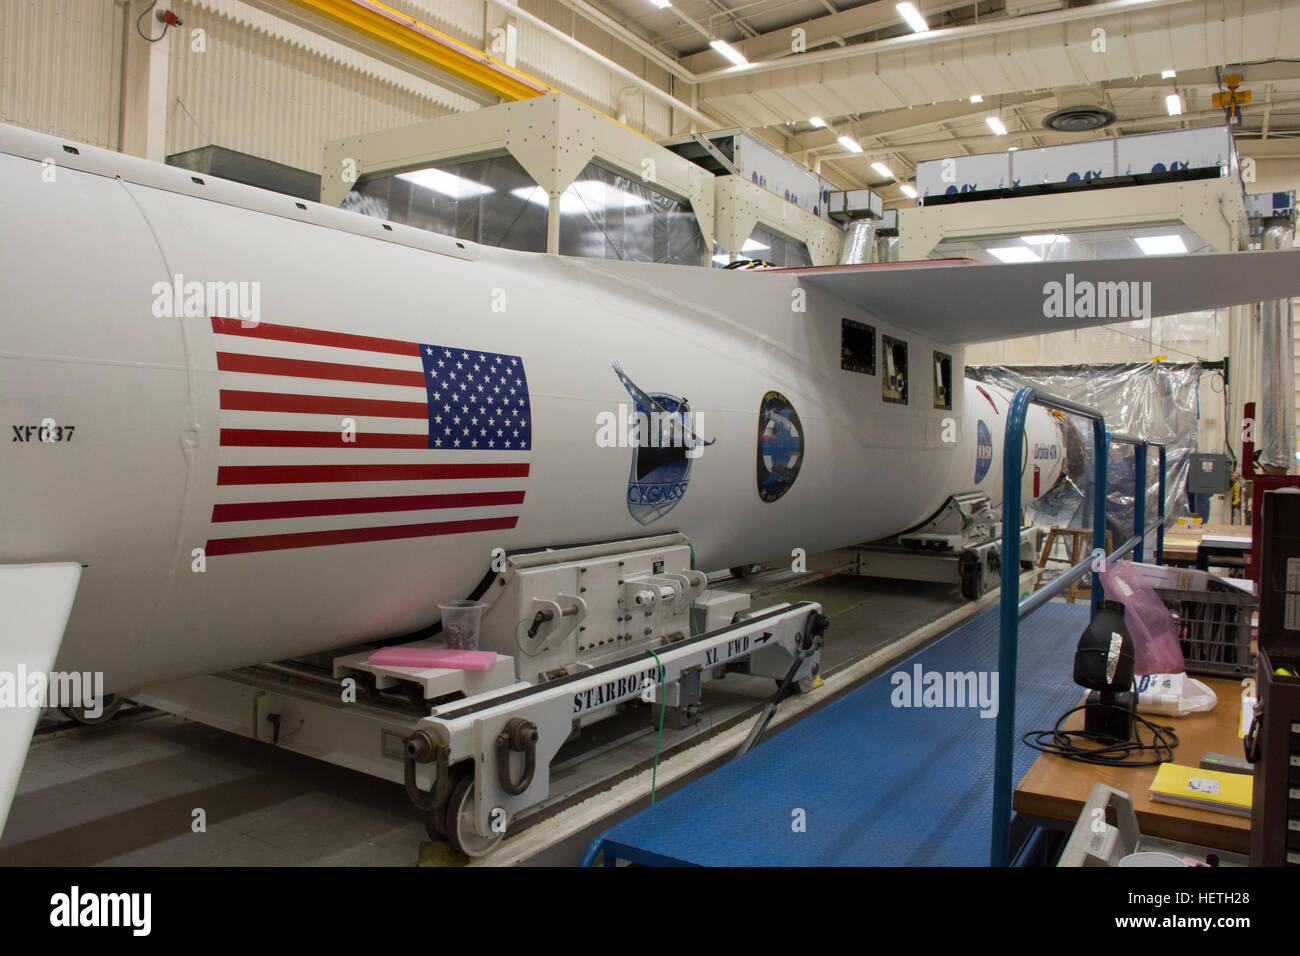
[{"x": 1079, "y": 119}]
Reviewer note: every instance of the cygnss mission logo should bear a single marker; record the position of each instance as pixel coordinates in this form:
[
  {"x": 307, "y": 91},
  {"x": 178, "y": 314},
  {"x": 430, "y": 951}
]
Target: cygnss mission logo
[
  {"x": 780, "y": 446},
  {"x": 664, "y": 446}
]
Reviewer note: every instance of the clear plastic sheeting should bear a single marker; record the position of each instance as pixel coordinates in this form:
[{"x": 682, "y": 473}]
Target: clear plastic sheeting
[
  {"x": 770, "y": 247},
  {"x": 605, "y": 215},
  {"x": 1152, "y": 400},
  {"x": 488, "y": 201}
]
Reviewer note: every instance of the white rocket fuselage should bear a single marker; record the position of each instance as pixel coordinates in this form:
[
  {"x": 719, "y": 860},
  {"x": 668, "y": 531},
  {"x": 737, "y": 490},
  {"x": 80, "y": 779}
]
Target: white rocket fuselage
[{"x": 177, "y": 433}]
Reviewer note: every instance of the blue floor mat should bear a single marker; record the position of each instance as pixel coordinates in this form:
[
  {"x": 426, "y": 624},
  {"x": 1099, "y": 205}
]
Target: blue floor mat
[{"x": 871, "y": 783}]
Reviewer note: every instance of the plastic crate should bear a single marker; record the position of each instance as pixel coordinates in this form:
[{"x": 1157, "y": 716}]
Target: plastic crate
[{"x": 1213, "y": 629}]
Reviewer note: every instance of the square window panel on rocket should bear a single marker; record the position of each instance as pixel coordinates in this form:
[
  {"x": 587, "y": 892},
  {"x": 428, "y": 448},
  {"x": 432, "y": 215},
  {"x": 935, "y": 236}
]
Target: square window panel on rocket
[
  {"x": 893, "y": 383},
  {"x": 942, "y": 381},
  {"x": 857, "y": 347}
]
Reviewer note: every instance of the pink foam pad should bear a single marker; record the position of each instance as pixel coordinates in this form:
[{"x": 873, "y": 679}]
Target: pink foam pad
[{"x": 433, "y": 657}]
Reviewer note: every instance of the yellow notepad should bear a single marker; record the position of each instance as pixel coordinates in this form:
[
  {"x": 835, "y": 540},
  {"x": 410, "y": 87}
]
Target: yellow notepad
[{"x": 1205, "y": 789}]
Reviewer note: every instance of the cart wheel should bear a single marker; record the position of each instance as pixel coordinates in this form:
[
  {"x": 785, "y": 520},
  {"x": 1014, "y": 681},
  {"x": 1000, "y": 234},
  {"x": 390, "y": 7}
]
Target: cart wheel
[
  {"x": 111, "y": 705},
  {"x": 459, "y": 822}
]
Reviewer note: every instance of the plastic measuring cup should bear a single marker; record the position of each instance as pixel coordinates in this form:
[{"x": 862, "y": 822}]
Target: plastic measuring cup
[{"x": 460, "y": 624}]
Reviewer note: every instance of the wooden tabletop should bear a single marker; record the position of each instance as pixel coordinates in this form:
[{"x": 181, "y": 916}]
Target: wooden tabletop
[
  {"x": 1056, "y": 788},
  {"x": 1182, "y": 541}
]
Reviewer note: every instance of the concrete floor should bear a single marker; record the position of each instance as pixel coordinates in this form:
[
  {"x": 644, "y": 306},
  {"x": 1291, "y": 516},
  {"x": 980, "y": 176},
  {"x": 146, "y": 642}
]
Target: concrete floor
[{"x": 126, "y": 793}]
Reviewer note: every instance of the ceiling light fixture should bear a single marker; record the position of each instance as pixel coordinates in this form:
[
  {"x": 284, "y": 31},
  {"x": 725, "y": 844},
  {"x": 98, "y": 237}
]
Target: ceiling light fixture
[
  {"x": 1174, "y": 104},
  {"x": 913, "y": 17},
  {"x": 882, "y": 170},
  {"x": 976, "y": 98},
  {"x": 729, "y": 51},
  {"x": 850, "y": 144},
  {"x": 1160, "y": 245},
  {"x": 448, "y": 184},
  {"x": 817, "y": 122},
  {"x": 995, "y": 124},
  {"x": 1015, "y": 254},
  {"x": 908, "y": 191},
  {"x": 1168, "y": 75}
]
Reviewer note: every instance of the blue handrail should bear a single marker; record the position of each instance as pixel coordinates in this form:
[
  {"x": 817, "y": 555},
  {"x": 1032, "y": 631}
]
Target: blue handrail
[
  {"x": 1013, "y": 610},
  {"x": 1160, "y": 504},
  {"x": 1139, "y": 487},
  {"x": 1010, "y": 616}
]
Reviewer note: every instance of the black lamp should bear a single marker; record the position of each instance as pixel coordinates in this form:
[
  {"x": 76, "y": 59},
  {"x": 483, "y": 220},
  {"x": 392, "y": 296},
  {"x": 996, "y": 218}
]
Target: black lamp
[{"x": 1103, "y": 663}]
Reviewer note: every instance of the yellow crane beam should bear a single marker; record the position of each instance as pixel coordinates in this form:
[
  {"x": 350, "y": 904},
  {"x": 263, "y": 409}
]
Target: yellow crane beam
[{"x": 422, "y": 42}]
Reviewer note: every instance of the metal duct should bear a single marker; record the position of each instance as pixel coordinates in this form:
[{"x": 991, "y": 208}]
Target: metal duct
[
  {"x": 859, "y": 243},
  {"x": 1275, "y": 417}
]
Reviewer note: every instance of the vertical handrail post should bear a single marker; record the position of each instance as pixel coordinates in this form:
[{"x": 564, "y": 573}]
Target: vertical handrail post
[
  {"x": 1101, "y": 455},
  {"x": 1140, "y": 499},
  {"x": 1009, "y": 632},
  {"x": 1160, "y": 509}
]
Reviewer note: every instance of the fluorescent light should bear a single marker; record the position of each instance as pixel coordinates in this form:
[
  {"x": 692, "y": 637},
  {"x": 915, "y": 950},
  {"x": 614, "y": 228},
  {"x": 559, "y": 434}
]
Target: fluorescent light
[
  {"x": 850, "y": 144},
  {"x": 976, "y": 98},
  {"x": 1168, "y": 75},
  {"x": 661, "y": 4},
  {"x": 1012, "y": 149},
  {"x": 1044, "y": 240},
  {"x": 753, "y": 245},
  {"x": 908, "y": 191},
  {"x": 1015, "y": 254},
  {"x": 571, "y": 203},
  {"x": 995, "y": 124},
  {"x": 1174, "y": 104},
  {"x": 448, "y": 184},
  {"x": 882, "y": 170},
  {"x": 818, "y": 122},
  {"x": 729, "y": 51},
  {"x": 1160, "y": 245},
  {"x": 913, "y": 18},
  {"x": 583, "y": 196}
]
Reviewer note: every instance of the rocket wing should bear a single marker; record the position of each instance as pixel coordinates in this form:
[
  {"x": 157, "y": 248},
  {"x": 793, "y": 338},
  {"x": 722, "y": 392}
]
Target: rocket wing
[
  {"x": 37, "y": 599},
  {"x": 963, "y": 302}
]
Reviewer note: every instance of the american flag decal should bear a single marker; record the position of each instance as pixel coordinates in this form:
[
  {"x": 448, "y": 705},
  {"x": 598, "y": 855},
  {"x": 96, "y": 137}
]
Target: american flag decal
[{"x": 442, "y": 442}]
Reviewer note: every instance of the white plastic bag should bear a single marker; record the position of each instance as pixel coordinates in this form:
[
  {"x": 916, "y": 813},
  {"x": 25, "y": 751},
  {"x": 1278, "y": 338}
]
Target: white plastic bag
[{"x": 1174, "y": 695}]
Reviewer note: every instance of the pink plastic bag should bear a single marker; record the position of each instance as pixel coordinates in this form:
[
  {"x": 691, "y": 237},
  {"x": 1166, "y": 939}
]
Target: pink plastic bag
[
  {"x": 433, "y": 657},
  {"x": 1150, "y": 623}
]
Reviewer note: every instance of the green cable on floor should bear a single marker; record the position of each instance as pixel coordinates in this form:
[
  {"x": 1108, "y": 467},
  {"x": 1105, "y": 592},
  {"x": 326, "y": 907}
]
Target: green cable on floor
[
  {"x": 654, "y": 774},
  {"x": 694, "y": 629}
]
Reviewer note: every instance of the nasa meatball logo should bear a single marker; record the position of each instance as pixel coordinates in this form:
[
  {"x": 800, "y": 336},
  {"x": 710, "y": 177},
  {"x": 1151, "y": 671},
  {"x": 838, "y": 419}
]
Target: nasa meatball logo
[
  {"x": 983, "y": 451},
  {"x": 664, "y": 448},
  {"x": 780, "y": 446}
]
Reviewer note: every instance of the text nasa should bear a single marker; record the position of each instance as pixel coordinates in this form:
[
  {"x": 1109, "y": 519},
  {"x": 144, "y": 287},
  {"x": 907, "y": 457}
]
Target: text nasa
[{"x": 615, "y": 691}]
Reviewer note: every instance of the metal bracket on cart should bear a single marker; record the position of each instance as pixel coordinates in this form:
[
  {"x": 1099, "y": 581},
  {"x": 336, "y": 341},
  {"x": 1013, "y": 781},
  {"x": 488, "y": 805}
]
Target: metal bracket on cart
[{"x": 494, "y": 754}]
